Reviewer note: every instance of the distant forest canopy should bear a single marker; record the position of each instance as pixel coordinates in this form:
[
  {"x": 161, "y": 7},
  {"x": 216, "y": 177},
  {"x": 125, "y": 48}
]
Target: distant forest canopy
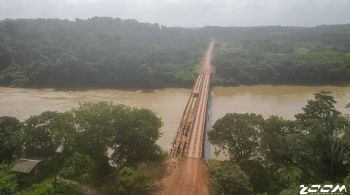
[
  {"x": 282, "y": 55},
  {"x": 96, "y": 52},
  {"x": 111, "y": 52}
]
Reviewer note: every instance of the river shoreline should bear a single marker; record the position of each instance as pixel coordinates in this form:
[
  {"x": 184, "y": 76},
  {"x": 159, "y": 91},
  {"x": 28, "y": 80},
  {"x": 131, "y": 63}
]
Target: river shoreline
[{"x": 169, "y": 103}]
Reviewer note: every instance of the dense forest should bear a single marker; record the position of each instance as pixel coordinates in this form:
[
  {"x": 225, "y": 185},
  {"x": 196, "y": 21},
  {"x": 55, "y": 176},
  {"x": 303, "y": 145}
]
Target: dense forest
[
  {"x": 276, "y": 156},
  {"x": 96, "y": 52},
  {"x": 288, "y": 55},
  {"x": 111, "y": 52},
  {"x": 73, "y": 146}
]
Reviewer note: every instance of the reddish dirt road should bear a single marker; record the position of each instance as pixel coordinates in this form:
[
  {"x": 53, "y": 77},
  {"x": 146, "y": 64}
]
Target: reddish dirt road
[
  {"x": 187, "y": 171},
  {"x": 187, "y": 176}
]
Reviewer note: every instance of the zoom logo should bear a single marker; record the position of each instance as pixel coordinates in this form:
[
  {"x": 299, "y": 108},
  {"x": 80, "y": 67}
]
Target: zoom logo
[{"x": 323, "y": 189}]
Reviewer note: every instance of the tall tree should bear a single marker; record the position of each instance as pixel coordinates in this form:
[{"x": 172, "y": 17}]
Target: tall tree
[
  {"x": 325, "y": 128},
  {"x": 131, "y": 133},
  {"x": 10, "y": 138},
  {"x": 136, "y": 136},
  {"x": 277, "y": 139},
  {"x": 96, "y": 124},
  {"x": 228, "y": 178},
  {"x": 44, "y": 133},
  {"x": 238, "y": 134}
]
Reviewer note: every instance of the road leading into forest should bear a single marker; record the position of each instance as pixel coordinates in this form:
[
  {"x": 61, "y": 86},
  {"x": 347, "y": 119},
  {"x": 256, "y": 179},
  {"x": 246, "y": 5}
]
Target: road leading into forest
[{"x": 187, "y": 170}]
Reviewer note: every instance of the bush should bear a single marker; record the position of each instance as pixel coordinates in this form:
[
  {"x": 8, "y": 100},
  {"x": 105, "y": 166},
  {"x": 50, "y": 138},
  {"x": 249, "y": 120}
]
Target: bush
[
  {"x": 259, "y": 175},
  {"x": 46, "y": 187},
  {"x": 290, "y": 191},
  {"x": 8, "y": 183},
  {"x": 347, "y": 181},
  {"x": 10, "y": 138},
  {"x": 228, "y": 178},
  {"x": 133, "y": 181},
  {"x": 78, "y": 167}
]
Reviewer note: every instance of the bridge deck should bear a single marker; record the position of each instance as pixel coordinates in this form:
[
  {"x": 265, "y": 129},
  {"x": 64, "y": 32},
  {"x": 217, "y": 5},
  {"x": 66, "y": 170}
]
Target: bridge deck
[{"x": 190, "y": 134}]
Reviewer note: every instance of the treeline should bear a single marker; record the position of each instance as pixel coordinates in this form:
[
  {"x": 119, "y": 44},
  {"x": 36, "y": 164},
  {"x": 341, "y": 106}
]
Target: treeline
[
  {"x": 109, "y": 147},
  {"x": 276, "y": 156},
  {"x": 96, "y": 52},
  {"x": 111, "y": 52},
  {"x": 283, "y": 55}
]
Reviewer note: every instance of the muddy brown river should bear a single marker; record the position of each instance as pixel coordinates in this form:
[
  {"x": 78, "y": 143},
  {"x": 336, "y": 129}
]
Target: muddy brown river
[{"x": 169, "y": 104}]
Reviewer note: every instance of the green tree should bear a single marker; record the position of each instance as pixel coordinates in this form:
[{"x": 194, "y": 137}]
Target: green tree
[
  {"x": 260, "y": 176},
  {"x": 237, "y": 134},
  {"x": 275, "y": 140},
  {"x": 314, "y": 148},
  {"x": 96, "y": 124},
  {"x": 93, "y": 136},
  {"x": 135, "y": 138},
  {"x": 287, "y": 178},
  {"x": 8, "y": 182},
  {"x": 13, "y": 75},
  {"x": 10, "y": 138},
  {"x": 79, "y": 168},
  {"x": 46, "y": 187},
  {"x": 325, "y": 129},
  {"x": 131, "y": 133},
  {"x": 291, "y": 191},
  {"x": 133, "y": 181},
  {"x": 347, "y": 180},
  {"x": 44, "y": 133},
  {"x": 108, "y": 52},
  {"x": 228, "y": 178}
]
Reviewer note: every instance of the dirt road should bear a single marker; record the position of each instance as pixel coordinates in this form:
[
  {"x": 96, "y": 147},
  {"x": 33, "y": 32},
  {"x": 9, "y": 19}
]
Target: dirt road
[
  {"x": 187, "y": 176},
  {"x": 187, "y": 171}
]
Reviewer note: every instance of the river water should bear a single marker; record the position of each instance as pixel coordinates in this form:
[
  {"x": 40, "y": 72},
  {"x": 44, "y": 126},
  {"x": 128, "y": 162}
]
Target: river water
[{"x": 169, "y": 104}]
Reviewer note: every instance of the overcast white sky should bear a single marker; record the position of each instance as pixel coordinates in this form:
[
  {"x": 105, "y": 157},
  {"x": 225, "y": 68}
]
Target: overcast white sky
[{"x": 189, "y": 13}]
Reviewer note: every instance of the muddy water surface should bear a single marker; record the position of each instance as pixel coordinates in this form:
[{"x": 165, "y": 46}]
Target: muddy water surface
[
  {"x": 268, "y": 100},
  {"x": 170, "y": 103}
]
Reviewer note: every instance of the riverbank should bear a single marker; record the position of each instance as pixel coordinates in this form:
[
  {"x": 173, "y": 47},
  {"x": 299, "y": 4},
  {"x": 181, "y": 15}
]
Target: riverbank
[{"x": 168, "y": 103}]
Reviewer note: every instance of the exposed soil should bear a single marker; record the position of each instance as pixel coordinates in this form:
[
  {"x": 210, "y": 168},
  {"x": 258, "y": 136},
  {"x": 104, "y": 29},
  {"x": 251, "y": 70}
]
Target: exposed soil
[
  {"x": 185, "y": 176},
  {"x": 188, "y": 175}
]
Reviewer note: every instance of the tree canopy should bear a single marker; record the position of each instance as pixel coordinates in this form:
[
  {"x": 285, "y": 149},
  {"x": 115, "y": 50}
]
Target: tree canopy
[
  {"x": 283, "y": 55},
  {"x": 228, "y": 178},
  {"x": 238, "y": 134},
  {"x": 97, "y": 52},
  {"x": 10, "y": 138},
  {"x": 111, "y": 52},
  {"x": 313, "y": 148},
  {"x": 101, "y": 144}
]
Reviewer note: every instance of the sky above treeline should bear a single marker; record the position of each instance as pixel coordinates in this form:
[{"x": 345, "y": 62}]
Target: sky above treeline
[{"x": 188, "y": 13}]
